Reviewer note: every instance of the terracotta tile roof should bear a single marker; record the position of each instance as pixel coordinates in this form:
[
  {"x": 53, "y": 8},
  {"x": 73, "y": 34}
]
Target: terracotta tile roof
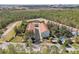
[{"x": 42, "y": 27}]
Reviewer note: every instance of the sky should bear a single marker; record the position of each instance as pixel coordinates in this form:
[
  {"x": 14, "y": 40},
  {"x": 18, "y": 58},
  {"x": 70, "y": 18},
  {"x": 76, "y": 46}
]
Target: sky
[{"x": 34, "y": 2}]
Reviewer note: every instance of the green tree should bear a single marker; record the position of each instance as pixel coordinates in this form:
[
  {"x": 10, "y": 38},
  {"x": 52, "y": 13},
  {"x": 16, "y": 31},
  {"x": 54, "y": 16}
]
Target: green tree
[
  {"x": 54, "y": 50},
  {"x": 21, "y": 29},
  {"x": 63, "y": 47}
]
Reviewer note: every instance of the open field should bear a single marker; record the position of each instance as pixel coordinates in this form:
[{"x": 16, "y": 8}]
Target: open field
[{"x": 66, "y": 16}]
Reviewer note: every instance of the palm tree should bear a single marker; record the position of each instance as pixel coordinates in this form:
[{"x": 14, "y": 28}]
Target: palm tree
[
  {"x": 21, "y": 29},
  {"x": 54, "y": 50},
  {"x": 63, "y": 47}
]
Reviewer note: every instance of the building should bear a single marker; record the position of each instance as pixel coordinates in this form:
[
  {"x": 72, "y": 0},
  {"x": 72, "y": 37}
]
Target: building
[{"x": 39, "y": 28}]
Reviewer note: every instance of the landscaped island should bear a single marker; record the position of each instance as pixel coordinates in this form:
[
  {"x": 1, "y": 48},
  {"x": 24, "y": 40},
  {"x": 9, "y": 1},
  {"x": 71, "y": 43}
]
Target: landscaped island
[
  {"x": 42, "y": 31},
  {"x": 39, "y": 33}
]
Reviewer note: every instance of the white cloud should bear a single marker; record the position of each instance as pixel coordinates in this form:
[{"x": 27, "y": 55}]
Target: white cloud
[{"x": 39, "y": 1}]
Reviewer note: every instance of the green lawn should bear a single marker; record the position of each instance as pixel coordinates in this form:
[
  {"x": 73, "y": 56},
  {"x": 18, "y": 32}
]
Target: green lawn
[
  {"x": 11, "y": 33},
  {"x": 17, "y": 39}
]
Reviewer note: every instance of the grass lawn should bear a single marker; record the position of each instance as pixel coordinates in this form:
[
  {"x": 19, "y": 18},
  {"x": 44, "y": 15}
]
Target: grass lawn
[
  {"x": 17, "y": 39},
  {"x": 11, "y": 33}
]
